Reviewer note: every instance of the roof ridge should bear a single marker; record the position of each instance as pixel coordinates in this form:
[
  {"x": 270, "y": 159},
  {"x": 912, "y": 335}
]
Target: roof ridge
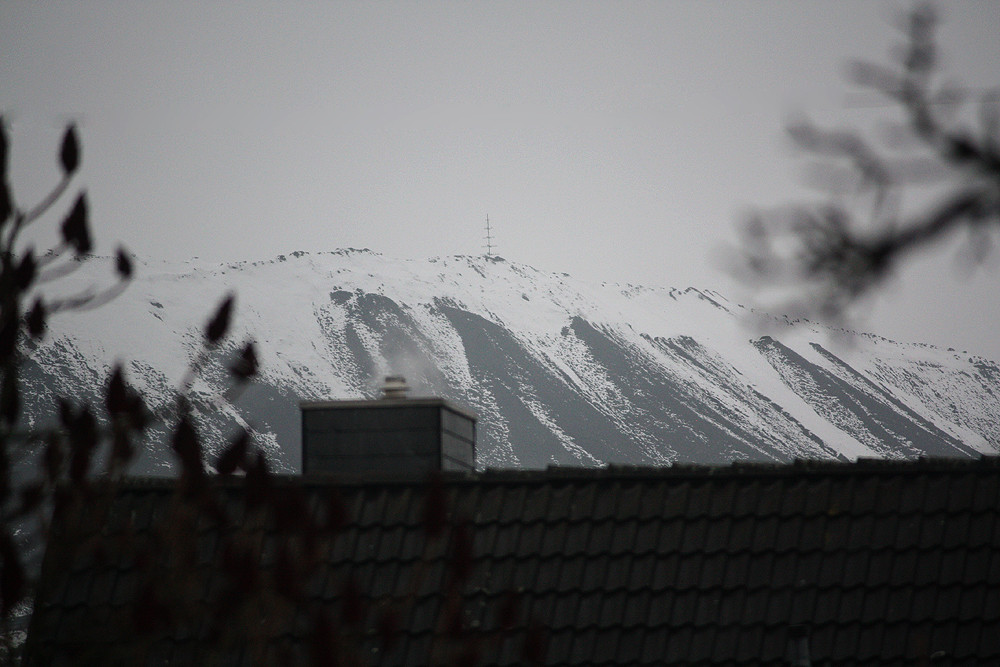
[{"x": 620, "y": 472}]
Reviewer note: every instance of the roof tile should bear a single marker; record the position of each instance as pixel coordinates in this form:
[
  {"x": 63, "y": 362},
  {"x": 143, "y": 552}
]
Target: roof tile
[
  {"x": 723, "y": 562},
  {"x": 765, "y": 533},
  {"x": 688, "y": 571},
  {"x": 577, "y": 538},
  {"x": 755, "y": 604},
  {"x": 700, "y": 499},
  {"x": 948, "y": 603},
  {"x": 747, "y": 497},
  {"x": 956, "y": 531},
  {"x": 894, "y": 640},
  {"x": 565, "y": 611},
  {"x": 981, "y": 529},
  {"x": 702, "y": 643},
  {"x": 618, "y": 572},
  {"x": 883, "y": 531},
  {"x": 922, "y": 608},
  {"x": 966, "y": 640},
  {"x": 961, "y": 492},
  {"x": 670, "y": 536},
  {"x": 713, "y": 571},
  {"x": 636, "y": 612},
  {"x": 987, "y": 493},
  {"x": 612, "y": 609},
  {"x": 629, "y": 499},
  {"x": 774, "y": 647},
  {"x": 793, "y": 498},
  {"x": 571, "y": 574},
  {"x": 558, "y": 648},
  {"x": 647, "y": 537},
  {"x": 803, "y": 603},
  {"x": 678, "y": 646},
  {"x": 560, "y": 501},
  {"x": 717, "y": 538},
  {"x": 748, "y": 647},
  {"x": 530, "y": 542},
  {"x": 913, "y": 494},
  {"x": 932, "y": 531},
  {"x": 873, "y": 606},
  {"x": 583, "y": 648},
  {"x": 952, "y": 567},
  {"x": 675, "y": 501},
  {"x": 807, "y": 568},
  {"x": 730, "y": 611},
  {"x": 664, "y": 607},
  {"x": 989, "y": 643},
  {"x": 880, "y": 565},
  {"x": 942, "y": 637},
  {"x": 653, "y": 498},
  {"x": 855, "y": 571},
  {"x": 928, "y": 568},
  {"x": 629, "y": 646},
  {"x": 741, "y": 534},
  {"x": 865, "y": 495},
  {"x": 860, "y": 533},
  {"x": 784, "y": 569},
  {"x": 736, "y": 571},
  {"x": 991, "y": 603},
  {"x": 491, "y": 499},
  {"x": 624, "y": 537},
  {"x": 769, "y": 498},
  {"x": 554, "y": 540},
  {"x": 594, "y": 574},
  {"x": 654, "y": 646},
  {"x": 838, "y": 528},
  {"x": 641, "y": 572},
  {"x": 939, "y": 488},
  {"x": 602, "y": 536},
  {"x": 977, "y": 562},
  {"x": 827, "y": 606},
  {"x": 789, "y": 536},
  {"x": 606, "y": 647},
  {"x": 505, "y": 544},
  {"x": 582, "y": 506},
  {"x": 721, "y": 500},
  {"x": 779, "y": 607},
  {"x": 536, "y": 505},
  {"x": 845, "y": 642},
  {"x": 759, "y": 573}
]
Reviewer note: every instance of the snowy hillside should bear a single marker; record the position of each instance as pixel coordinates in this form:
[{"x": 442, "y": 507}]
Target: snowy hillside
[{"x": 558, "y": 370}]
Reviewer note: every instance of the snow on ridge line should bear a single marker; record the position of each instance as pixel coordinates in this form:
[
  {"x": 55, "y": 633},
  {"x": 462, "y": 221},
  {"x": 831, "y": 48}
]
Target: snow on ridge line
[
  {"x": 288, "y": 305},
  {"x": 490, "y": 287}
]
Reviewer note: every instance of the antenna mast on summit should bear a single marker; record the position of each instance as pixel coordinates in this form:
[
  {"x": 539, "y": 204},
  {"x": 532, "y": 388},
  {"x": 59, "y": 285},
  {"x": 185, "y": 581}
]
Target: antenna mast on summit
[{"x": 489, "y": 237}]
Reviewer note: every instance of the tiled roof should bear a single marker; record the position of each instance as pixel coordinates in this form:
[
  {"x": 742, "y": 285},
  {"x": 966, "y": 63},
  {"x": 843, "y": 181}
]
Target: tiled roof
[{"x": 874, "y": 563}]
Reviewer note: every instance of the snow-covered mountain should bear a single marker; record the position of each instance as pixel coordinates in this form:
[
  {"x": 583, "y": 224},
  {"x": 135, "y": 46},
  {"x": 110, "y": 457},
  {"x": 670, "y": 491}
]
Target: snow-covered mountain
[{"x": 559, "y": 371}]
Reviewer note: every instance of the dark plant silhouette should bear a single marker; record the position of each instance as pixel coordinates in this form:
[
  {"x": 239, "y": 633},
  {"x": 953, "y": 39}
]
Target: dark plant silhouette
[
  {"x": 23, "y": 275},
  {"x": 210, "y": 530},
  {"x": 824, "y": 256},
  {"x": 84, "y": 456}
]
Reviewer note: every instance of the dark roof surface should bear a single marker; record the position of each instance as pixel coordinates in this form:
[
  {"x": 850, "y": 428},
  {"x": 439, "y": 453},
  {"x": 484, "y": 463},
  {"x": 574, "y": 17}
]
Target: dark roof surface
[{"x": 876, "y": 563}]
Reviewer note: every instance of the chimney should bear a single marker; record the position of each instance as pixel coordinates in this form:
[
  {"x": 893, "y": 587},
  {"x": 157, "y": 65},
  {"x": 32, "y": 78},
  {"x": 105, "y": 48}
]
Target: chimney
[
  {"x": 391, "y": 435},
  {"x": 394, "y": 387}
]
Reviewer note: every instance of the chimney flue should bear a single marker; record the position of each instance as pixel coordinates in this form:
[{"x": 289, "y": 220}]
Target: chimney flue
[{"x": 394, "y": 387}]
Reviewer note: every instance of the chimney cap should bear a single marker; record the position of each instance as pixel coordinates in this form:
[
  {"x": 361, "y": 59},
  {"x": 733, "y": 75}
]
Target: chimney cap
[{"x": 394, "y": 387}]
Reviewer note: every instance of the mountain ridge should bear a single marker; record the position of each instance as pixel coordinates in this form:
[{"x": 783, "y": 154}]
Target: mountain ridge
[{"x": 560, "y": 371}]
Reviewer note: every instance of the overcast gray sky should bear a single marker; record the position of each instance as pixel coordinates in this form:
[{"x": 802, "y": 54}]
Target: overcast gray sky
[{"x": 616, "y": 141}]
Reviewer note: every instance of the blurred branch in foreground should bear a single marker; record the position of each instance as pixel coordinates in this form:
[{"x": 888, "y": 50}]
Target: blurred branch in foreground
[{"x": 820, "y": 258}]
